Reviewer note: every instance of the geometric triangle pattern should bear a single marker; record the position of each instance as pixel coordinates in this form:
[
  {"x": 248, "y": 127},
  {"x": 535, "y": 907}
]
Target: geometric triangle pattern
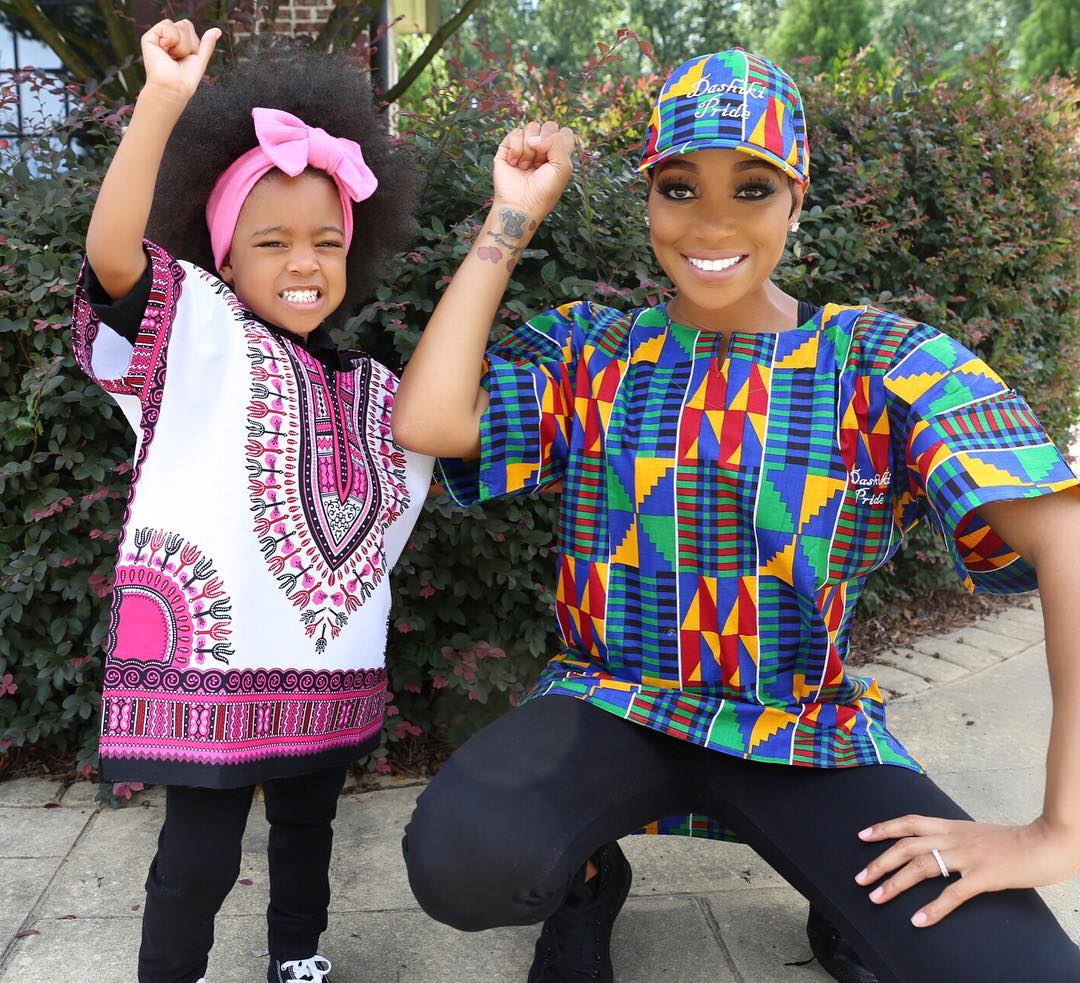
[{"x": 722, "y": 507}]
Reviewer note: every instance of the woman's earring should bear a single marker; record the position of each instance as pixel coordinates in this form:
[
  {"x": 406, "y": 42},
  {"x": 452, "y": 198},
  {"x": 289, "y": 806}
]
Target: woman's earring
[
  {"x": 794, "y": 227},
  {"x": 646, "y": 220}
]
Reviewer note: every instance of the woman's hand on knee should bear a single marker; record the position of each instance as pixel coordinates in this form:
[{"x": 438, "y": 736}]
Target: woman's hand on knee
[{"x": 977, "y": 857}]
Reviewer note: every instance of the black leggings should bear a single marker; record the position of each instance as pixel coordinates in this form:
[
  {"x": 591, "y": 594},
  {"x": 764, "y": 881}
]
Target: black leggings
[
  {"x": 198, "y": 861},
  {"x": 499, "y": 834}
]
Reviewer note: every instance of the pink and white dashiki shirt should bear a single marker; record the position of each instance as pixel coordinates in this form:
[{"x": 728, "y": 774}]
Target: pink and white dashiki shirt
[{"x": 268, "y": 505}]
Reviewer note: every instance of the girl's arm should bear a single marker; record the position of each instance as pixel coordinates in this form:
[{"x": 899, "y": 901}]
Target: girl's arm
[
  {"x": 175, "y": 61},
  {"x": 440, "y": 401},
  {"x": 1045, "y": 531}
]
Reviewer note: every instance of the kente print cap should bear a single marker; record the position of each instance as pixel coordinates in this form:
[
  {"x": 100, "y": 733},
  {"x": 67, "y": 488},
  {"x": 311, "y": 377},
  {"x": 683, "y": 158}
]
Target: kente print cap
[{"x": 730, "y": 100}]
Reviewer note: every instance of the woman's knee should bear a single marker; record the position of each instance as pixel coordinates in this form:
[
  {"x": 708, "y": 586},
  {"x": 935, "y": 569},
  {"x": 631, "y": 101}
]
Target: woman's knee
[{"x": 473, "y": 875}]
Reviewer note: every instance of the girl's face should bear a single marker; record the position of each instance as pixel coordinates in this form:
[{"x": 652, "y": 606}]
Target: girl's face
[
  {"x": 719, "y": 221},
  {"x": 287, "y": 258}
]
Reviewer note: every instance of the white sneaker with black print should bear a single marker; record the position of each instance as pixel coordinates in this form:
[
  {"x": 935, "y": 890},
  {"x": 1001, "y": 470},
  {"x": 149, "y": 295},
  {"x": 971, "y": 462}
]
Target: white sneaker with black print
[{"x": 313, "y": 970}]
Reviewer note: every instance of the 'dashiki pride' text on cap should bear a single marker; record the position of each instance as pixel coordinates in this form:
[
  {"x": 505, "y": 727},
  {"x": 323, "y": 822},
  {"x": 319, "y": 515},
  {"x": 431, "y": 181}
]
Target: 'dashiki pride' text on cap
[{"x": 732, "y": 100}]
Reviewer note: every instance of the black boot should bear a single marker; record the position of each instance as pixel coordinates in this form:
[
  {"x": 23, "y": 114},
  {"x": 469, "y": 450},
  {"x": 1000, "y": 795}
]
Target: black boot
[
  {"x": 575, "y": 944},
  {"x": 836, "y": 956}
]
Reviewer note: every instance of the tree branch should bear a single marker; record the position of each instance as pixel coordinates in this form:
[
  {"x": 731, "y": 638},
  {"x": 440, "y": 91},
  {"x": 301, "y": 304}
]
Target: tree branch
[
  {"x": 122, "y": 38},
  {"x": 438, "y": 39},
  {"x": 333, "y": 30},
  {"x": 89, "y": 49},
  {"x": 43, "y": 28}
]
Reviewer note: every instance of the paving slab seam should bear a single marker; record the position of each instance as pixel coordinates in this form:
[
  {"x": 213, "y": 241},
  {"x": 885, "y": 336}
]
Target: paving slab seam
[
  {"x": 991, "y": 625},
  {"x": 1003, "y": 626},
  {"x": 909, "y": 670},
  {"x": 722, "y": 891},
  {"x": 945, "y": 658},
  {"x": 136, "y": 916},
  {"x": 938, "y": 683},
  {"x": 718, "y": 936},
  {"x": 987, "y": 626},
  {"x": 28, "y": 921},
  {"x": 965, "y": 679},
  {"x": 40, "y": 856},
  {"x": 28, "y": 805}
]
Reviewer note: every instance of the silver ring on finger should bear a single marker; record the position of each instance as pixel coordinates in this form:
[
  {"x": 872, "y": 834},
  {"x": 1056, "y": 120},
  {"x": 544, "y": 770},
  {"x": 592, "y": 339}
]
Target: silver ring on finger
[{"x": 936, "y": 853}]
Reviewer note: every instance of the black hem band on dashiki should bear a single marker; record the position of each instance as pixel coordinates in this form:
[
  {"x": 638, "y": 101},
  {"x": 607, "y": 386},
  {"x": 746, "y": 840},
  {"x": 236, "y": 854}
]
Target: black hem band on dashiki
[{"x": 196, "y": 775}]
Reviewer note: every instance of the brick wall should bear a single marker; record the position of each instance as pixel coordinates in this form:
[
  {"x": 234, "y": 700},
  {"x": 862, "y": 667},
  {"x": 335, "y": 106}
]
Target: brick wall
[
  {"x": 303, "y": 16},
  {"x": 308, "y": 17}
]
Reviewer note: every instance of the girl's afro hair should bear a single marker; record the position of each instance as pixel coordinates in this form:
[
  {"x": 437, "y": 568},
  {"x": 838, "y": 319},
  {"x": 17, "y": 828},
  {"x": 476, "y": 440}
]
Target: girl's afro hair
[{"x": 330, "y": 91}]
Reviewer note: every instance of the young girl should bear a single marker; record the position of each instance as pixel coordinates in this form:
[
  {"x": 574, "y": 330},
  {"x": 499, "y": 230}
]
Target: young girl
[
  {"x": 269, "y": 501},
  {"x": 735, "y": 463}
]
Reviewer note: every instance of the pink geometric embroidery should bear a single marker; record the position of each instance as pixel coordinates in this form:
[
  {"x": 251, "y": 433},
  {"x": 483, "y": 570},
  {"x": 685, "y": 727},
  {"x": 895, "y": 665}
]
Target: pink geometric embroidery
[
  {"x": 144, "y": 376},
  {"x": 169, "y": 605},
  {"x": 198, "y": 726},
  {"x": 236, "y": 715},
  {"x": 147, "y": 366},
  {"x": 121, "y": 716},
  {"x": 325, "y": 477}
]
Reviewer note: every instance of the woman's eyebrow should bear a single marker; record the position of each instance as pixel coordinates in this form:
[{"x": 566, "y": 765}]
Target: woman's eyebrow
[
  {"x": 746, "y": 165},
  {"x": 743, "y": 165},
  {"x": 666, "y": 165}
]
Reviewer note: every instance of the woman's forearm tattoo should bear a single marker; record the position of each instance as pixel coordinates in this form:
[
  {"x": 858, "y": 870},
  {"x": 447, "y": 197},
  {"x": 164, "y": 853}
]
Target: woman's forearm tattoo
[
  {"x": 513, "y": 222},
  {"x": 505, "y": 242},
  {"x": 513, "y": 228}
]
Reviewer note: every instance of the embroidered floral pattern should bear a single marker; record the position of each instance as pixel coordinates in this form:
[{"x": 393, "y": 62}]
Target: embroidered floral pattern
[
  {"x": 170, "y": 606},
  {"x": 325, "y": 478}
]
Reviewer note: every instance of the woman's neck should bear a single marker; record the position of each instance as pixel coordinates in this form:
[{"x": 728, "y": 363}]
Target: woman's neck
[{"x": 768, "y": 310}]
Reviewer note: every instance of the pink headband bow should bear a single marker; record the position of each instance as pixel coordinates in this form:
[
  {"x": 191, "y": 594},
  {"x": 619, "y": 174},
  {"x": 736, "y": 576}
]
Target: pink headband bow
[{"x": 289, "y": 144}]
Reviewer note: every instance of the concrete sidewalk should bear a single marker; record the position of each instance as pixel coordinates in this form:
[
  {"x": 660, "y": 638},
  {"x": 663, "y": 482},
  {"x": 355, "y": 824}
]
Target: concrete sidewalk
[{"x": 974, "y": 705}]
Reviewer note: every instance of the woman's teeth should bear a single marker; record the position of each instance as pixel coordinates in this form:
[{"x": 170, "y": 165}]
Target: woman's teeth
[
  {"x": 300, "y": 296},
  {"x": 713, "y": 265}
]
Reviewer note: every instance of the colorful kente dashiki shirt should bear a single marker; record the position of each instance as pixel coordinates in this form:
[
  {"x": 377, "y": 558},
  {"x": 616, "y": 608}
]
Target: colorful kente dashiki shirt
[
  {"x": 268, "y": 504},
  {"x": 719, "y": 515}
]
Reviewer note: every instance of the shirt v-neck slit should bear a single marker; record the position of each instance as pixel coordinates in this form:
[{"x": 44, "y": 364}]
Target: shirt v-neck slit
[{"x": 806, "y": 314}]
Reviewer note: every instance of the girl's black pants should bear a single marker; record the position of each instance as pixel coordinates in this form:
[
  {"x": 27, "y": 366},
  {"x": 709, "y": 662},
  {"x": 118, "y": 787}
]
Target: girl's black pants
[
  {"x": 198, "y": 861},
  {"x": 500, "y": 833}
]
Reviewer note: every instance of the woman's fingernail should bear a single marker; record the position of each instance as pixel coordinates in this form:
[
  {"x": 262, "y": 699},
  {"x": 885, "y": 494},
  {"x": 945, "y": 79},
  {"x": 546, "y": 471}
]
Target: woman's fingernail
[
  {"x": 876, "y": 894},
  {"x": 861, "y": 876},
  {"x": 919, "y": 919},
  {"x": 864, "y": 833}
]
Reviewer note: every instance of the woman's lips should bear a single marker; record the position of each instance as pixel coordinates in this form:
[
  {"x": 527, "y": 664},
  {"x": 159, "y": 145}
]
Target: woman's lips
[{"x": 715, "y": 269}]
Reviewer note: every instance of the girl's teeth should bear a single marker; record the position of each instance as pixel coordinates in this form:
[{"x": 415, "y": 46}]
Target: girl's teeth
[
  {"x": 712, "y": 265},
  {"x": 301, "y": 296}
]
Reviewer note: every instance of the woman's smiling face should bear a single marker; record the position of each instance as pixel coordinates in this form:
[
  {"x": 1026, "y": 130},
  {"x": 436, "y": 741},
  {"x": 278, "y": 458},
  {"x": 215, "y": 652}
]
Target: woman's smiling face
[{"x": 719, "y": 221}]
